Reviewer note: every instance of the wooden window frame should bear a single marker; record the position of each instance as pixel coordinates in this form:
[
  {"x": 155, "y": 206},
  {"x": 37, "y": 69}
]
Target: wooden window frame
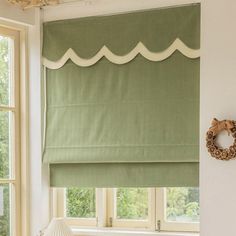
[
  {"x": 59, "y": 209},
  {"x": 21, "y": 179},
  {"x": 161, "y": 216},
  {"x": 14, "y": 108},
  {"x": 106, "y": 216},
  {"x": 126, "y": 223}
]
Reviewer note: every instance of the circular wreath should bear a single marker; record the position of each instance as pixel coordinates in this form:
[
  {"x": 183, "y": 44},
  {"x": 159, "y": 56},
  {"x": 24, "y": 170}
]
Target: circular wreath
[{"x": 216, "y": 151}]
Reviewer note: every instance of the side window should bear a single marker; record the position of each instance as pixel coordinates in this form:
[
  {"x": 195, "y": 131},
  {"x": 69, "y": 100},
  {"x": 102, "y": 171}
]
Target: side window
[
  {"x": 9, "y": 133},
  {"x": 81, "y": 202}
]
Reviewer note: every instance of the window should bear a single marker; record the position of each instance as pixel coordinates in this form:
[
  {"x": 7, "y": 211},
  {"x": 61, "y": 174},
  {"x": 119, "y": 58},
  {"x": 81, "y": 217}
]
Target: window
[
  {"x": 81, "y": 203},
  {"x": 167, "y": 209},
  {"x": 177, "y": 209},
  {"x": 9, "y": 133},
  {"x": 131, "y": 203}
]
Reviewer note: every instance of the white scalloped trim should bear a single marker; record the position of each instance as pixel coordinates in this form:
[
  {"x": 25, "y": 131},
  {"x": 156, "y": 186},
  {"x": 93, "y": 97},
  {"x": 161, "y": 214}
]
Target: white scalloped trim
[{"x": 139, "y": 49}]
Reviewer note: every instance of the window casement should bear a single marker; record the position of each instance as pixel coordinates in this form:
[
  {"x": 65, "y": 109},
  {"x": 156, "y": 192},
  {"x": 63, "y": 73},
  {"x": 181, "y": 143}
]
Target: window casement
[
  {"x": 10, "y": 149},
  {"x": 160, "y": 209},
  {"x": 165, "y": 222},
  {"x": 140, "y": 219}
]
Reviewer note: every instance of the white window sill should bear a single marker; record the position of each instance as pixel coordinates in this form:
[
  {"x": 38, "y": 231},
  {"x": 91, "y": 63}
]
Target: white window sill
[{"x": 123, "y": 232}]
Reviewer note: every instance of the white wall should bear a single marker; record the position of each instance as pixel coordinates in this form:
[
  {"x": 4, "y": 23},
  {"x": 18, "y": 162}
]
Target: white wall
[
  {"x": 218, "y": 99},
  {"x": 35, "y": 137},
  {"x": 15, "y": 14},
  {"x": 103, "y": 7}
]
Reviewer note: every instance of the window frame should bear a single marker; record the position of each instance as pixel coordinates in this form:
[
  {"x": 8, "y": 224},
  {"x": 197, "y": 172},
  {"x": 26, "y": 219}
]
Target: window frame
[
  {"x": 105, "y": 211},
  {"x": 14, "y": 107},
  {"x": 59, "y": 209},
  {"x": 128, "y": 223},
  {"x": 161, "y": 216},
  {"x": 22, "y": 197}
]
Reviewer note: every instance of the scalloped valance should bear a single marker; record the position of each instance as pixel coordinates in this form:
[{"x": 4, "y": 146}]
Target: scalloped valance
[
  {"x": 122, "y": 99},
  {"x": 155, "y": 34}
]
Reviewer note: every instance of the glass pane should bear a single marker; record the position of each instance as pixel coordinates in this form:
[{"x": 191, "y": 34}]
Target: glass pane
[
  {"x": 132, "y": 203},
  {"x": 4, "y": 210},
  {"x": 182, "y": 204},
  {"x": 81, "y": 202},
  {"x": 5, "y": 144},
  {"x": 5, "y": 70}
]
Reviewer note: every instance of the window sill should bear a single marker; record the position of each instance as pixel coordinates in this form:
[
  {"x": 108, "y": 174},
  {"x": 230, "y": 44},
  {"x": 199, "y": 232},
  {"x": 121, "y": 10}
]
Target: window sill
[{"x": 125, "y": 232}]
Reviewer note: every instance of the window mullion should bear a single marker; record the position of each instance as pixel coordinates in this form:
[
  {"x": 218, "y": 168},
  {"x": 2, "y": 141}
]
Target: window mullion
[
  {"x": 160, "y": 207},
  {"x": 61, "y": 202},
  {"x": 101, "y": 207},
  {"x": 152, "y": 208},
  {"x": 110, "y": 206}
]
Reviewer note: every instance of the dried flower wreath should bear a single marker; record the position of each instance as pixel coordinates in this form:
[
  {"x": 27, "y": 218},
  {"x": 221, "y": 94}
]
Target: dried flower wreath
[{"x": 216, "y": 151}]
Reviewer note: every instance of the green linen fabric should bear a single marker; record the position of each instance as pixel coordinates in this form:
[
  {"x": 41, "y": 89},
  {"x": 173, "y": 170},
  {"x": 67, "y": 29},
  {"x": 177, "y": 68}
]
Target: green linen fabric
[
  {"x": 156, "y": 29},
  {"x": 128, "y": 125},
  {"x": 125, "y": 175}
]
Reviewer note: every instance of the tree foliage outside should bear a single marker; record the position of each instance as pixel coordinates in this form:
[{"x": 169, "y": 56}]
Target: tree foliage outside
[
  {"x": 132, "y": 203},
  {"x": 81, "y": 202},
  {"x": 182, "y": 204},
  {"x": 4, "y": 135}
]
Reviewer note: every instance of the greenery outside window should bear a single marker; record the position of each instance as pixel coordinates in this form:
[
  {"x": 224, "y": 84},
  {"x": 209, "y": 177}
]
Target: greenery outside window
[
  {"x": 161, "y": 209},
  {"x": 9, "y": 133}
]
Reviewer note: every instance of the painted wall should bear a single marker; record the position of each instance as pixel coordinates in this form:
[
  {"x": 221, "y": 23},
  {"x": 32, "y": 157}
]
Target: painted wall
[
  {"x": 218, "y": 99},
  {"x": 35, "y": 144},
  {"x": 104, "y": 7},
  {"x": 15, "y": 14}
]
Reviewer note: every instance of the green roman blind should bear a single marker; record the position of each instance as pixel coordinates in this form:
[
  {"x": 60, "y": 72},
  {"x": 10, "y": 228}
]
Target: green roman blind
[{"x": 122, "y": 99}]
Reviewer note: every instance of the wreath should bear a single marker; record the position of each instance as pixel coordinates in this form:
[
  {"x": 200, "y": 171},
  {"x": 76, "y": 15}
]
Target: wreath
[{"x": 216, "y": 151}]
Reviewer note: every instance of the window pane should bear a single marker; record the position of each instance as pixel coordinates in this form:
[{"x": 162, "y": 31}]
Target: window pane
[
  {"x": 5, "y": 144},
  {"x": 4, "y": 210},
  {"x": 182, "y": 204},
  {"x": 81, "y": 202},
  {"x": 5, "y": 70},
  {"x": 132, "y": 203}
]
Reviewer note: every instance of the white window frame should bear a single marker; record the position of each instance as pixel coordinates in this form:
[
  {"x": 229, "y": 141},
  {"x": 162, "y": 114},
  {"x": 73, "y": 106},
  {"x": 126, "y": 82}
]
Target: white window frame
[
  {"x": 106, "y": 212},
  {"x": 21, "y": 179},
  {"x": 162, "y": 224},
  {"x": 59, "y": 208},
  {"x": 14, "y": 108},
  {"x": 127, "y": 223}
]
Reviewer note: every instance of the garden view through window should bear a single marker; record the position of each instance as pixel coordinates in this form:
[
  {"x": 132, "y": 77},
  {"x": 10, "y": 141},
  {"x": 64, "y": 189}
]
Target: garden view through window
[
  {"x": 6, "y": 136},
  {"x": 132, "y": 203},
  {"x": 181, "y": 205},
  {"x": 8, "y": 132},
  {"x": 81, "y": 202}
]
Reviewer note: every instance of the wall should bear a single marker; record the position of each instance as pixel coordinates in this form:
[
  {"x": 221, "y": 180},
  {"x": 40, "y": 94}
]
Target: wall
[
  {"x": 15, "y": 14},
  {"x": 218, "y": 86},
  {"x": 37, "y": 204},
  {"x": 103, "y": 7}
]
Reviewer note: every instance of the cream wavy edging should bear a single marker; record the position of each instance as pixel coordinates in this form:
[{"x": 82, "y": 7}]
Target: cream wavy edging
[{"x": 139, "y": 49}]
